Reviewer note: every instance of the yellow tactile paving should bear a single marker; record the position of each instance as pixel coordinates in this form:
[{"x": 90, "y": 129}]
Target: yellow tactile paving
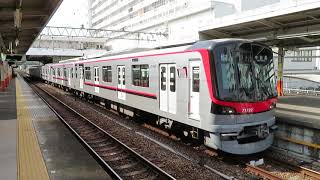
[{"x": 31, "y": 165}]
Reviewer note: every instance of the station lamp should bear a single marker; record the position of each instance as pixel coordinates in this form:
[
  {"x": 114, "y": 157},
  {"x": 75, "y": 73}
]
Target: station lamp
[{"x": 17, "y": 18}]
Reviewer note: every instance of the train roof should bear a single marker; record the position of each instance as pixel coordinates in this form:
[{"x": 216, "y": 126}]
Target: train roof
[
  {"x": 136, "y": 54},
  {"x": 209, "y": 44}
]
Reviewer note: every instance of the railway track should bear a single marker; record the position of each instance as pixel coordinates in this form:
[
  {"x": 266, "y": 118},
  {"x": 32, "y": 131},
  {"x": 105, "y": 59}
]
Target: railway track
[
  {"x": 119, "y": 160},
  {"x": 260, "y": 171},
  {"x": 291, "y": 171}
]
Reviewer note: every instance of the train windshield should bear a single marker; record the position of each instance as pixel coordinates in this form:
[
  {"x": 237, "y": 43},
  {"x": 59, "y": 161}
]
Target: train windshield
[{"x": 245, "y": 73}]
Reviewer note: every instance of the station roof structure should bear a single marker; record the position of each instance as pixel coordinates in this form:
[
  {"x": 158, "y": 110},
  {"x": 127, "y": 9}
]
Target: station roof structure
[
  {"x": 21, "y": 21},
  {"x": 292, "y": 27}
]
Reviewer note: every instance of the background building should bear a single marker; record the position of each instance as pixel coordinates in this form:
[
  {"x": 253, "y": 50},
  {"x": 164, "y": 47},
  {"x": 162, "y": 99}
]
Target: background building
[{"x": 181, "y": 21}]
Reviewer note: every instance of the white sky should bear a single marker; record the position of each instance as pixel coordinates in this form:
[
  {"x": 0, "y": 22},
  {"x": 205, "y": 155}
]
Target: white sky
[{"x": 71, "y": 13}]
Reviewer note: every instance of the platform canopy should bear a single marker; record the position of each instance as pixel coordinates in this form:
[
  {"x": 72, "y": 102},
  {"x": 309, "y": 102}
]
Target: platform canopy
[
  {"x": 21, "y": 21},
  {"x": 292, "y": 27}
]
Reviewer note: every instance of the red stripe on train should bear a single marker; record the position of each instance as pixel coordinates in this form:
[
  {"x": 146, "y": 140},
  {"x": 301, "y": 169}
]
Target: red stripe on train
[
  {"x": 139, "y": 93},
  {"x": 60, "y": 78}
]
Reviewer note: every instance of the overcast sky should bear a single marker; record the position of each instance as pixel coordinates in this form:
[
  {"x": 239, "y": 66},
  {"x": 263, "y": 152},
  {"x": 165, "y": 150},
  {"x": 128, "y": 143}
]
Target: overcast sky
[{"x": 71, "y": 13}]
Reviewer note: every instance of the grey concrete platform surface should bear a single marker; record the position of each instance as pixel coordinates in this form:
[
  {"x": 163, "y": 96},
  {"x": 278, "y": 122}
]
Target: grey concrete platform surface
[
  {"x": 64, "y": 156},
  {"x": 299, "y": 110},
  {"x": 309, "y": 101},
  {"x": 8, "y": 132}
]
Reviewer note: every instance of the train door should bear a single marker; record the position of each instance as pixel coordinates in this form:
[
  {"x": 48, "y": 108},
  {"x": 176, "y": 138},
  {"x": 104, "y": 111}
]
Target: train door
[
  {"x": 69, "y": 77},
  {"x": 121, "y": 82},
  {"x": 96, "y": 79},
  {"x": 81, "y": 76},
  {"x": 168, "y": 95},
  {"x": 194, "y": 84},
  {"x": 51, "y": 74},
  {"x": 57, "y": 74},
  {"x": 64, "y": 77}
]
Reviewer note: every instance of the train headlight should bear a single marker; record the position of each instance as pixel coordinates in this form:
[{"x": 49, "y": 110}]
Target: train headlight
[
  {"x": 227, "y": 110},
  {"x": 273, "y": 105}
]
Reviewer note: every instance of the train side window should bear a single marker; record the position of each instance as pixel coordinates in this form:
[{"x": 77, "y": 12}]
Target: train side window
[
  {"x": 87, "y": 73},
  {"x": 136, "y": 75},
  {"x": 172, "y": 79},
  {"x": 195, "y": 79},
  {"x": 163, "y": 78},
  {"x": 140, "y": 75},
  {"x": 107, "y": 73}
]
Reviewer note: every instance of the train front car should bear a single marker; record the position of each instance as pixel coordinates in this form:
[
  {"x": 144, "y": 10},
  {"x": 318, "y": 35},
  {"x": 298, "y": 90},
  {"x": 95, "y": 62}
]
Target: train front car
[{"x": 242, "y": 91}]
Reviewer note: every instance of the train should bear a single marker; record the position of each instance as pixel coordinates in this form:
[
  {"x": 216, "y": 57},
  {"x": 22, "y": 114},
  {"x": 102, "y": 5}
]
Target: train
[
  {"x": 219, "y": 92},
  {"x": 5, "y": 75},
  {"x": 33, "y": 72}
]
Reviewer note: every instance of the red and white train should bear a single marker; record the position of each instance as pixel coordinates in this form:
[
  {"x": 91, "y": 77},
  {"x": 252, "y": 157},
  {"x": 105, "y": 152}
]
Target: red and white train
[{"x": 221, "y": 92}]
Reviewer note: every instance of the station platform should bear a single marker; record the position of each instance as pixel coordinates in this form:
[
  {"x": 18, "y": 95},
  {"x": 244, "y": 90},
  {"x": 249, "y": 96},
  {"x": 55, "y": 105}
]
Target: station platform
[
  {"x": 299, "y": 110},
  {"x": 35, "y": 144}
]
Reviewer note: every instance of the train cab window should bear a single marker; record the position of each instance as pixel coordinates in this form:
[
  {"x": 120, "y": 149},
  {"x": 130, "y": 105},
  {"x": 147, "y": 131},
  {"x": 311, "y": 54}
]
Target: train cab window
[
  {"x": 140, "y": 75},
  {"x": 163, "y": 78},
  {"x": 107, "y": 73},
  {"x": 87, "y": 73},
  {"x": 195, "y": 79},
  {"x": 172, "y": 79}
]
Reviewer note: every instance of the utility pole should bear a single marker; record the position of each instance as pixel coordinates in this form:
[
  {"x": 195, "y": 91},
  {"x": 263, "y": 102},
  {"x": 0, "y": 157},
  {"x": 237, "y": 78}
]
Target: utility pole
[{"x": 280, "y": 71}]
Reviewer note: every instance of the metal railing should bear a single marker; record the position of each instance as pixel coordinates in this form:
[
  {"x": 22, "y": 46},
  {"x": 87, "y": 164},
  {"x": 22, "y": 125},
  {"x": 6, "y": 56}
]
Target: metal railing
[{"x": 294, "y": 91}]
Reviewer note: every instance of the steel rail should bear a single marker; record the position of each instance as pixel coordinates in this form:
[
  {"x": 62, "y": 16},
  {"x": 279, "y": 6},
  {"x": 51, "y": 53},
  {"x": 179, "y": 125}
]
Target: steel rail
[
  {"x": 162, "y": 174},
  {"x": 302, "y": 170},
  {"x": 261, "y": 172}
]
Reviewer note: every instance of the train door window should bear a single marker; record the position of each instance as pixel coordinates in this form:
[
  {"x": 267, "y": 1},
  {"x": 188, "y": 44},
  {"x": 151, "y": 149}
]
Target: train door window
[
  {"x": 64, "y": 72},
  {"x": 124, "y": 75},
  {"x": 87, "y": 73},
  {"x": 76, "y": 73},
  {"x": 59, "y": 72},
  {"x": 173, "y": 79},
  {"x": 107, "y": 73},
  {"x": 71, "y": 71},
  {"x": 163, "y": 78},
  {"x": 195, "y": 79}
]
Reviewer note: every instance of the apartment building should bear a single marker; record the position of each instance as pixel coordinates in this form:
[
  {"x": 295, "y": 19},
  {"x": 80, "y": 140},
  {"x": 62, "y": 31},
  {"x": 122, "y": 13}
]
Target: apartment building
[{"x": 181, "y": 20}]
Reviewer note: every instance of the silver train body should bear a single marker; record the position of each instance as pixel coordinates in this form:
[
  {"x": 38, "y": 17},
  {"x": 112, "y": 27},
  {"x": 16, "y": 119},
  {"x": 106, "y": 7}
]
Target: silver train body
[
  {"x": 34, "y": 72},
  {"x": 181, "y": 86}
]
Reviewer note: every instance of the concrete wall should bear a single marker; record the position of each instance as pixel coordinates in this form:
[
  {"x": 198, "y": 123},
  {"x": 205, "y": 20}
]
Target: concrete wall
[
  {"x": 223, "y": 9},
  {"x": 249, "y": 4},
  {"x": 303, "y": 134}
]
